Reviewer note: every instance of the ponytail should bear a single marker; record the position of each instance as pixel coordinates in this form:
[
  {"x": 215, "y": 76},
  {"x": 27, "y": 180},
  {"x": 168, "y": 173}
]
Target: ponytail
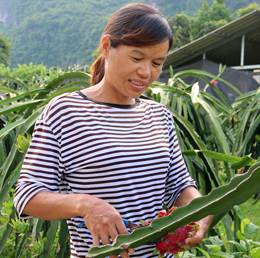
[{"x": 97, "y": 70}]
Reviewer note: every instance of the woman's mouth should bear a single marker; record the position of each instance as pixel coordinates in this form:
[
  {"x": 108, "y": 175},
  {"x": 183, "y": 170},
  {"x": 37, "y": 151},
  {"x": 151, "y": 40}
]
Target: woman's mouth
[{"x": 137, "y": 85}]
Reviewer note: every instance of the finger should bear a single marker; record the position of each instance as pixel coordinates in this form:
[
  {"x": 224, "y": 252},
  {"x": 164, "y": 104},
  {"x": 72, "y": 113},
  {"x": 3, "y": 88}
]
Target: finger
[
  {"x": 124, "y": 254},
  {"x": 105, "y": 238},
  {"x": 193, "y": 240},
  {"x": 131, "y": 250},
  {"x": 121, "y": 229},
  {"x": 95, "y": 238}
]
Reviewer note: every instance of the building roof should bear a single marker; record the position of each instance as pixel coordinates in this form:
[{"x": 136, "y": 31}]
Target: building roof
[{"x": 223, "y": 45}]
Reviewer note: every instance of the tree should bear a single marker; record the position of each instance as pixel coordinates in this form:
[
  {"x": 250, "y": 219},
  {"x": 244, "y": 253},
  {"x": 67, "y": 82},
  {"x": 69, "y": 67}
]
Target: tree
[
  {"x": 209, "y": 18},
  {"x": 5, "y": 50},
  {"x": 181, "y": 29},
  {"x": 218, "y": 11},
  {"x": 199, "y": 23},
  {"x": 242, "y": 11}
]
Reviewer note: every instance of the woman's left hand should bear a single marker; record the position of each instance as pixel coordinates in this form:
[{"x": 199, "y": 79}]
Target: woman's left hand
[{"x": 201, "y": 233}]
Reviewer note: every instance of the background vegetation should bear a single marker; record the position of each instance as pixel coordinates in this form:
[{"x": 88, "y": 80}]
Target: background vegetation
[
  {"x": 5, "y": 50},
  {"x": 66, "y": 32},
  {"x": 219, "y": 140}
]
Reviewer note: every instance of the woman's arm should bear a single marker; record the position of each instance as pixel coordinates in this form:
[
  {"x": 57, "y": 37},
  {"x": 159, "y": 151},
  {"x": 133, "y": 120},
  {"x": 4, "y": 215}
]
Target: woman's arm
[
  {"x": 186, "y": 196},
  {"x": 102, "y": 219}
]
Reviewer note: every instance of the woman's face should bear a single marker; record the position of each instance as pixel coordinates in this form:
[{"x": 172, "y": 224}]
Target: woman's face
[{"x": 130, "y": 70}]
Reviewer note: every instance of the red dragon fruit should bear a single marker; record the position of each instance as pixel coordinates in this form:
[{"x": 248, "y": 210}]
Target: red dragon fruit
[{"x": 175, "y": 240}]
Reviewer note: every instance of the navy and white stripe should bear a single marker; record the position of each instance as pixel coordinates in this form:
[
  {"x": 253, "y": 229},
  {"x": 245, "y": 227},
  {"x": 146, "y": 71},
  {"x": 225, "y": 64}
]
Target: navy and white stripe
[{"x": 129, "y": 157}]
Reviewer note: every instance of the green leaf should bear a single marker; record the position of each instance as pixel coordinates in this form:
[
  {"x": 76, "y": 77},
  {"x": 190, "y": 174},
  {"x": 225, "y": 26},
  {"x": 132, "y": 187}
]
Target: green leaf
[
  {"x": 249, "y": 134},
  {"x": 2, "y": 153},
  {"x": 14, "y": 80},
  {"x": 214, "y": 155},
  {"x": 20, "y": 96},
  {"x": 63, "y": 235},
  {"x": 245, "y": 161},
  {"x": 238, "y": 162},
  {"x": 63, "y": 80},
  {"x": 214, "y": 247},
  {"x": 50, "y": 238},
  {"x": 240, "y": 236},
  {"x": 215, "y": 240},
  {"x": 8, "y": 90},
  {"x": 196, "y": 141},
  {"x": 203, "y": 251},
  {"x": 240, "y": 248},
  {"x": 255, "y": 253},
  {"x": 192, "y": 153},
  {"x": 171, "y": 71},
  {"x": 201, "y": 74},
  {"x": 30, "y": 121},
  {"x": 221, "y": 254},
  {"x": 8, "y": 162},
  {"x": 10, "y": 127},
  {"x": 243, "y": 124},
  {"x": 9, "y": 183},
  {"x": 20, "y": 246},
  {"x": 18, "y": 107},
  {"x": 59, "y": 92},
  {"x": 7, "y": 231},
  {"x": 251, "y": 228}
]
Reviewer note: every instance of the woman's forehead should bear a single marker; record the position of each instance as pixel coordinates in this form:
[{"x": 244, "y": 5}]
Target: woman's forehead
[{"x": 159, "y": 50}]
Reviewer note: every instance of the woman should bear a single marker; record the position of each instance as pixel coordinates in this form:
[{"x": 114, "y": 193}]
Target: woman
[{"x": 111, "y": 154}]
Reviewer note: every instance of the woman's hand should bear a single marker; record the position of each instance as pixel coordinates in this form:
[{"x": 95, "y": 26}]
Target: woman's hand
[
  {"x": 201, "y": 233},
  {"x": 104, "y": 223},
  {"x": 102, "y": 219},
  {"x": 186, "y": 196}
]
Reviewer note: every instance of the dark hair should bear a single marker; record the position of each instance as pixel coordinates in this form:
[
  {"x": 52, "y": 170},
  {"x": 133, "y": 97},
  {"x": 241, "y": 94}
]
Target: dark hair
[{"x": 133, "y": 25}]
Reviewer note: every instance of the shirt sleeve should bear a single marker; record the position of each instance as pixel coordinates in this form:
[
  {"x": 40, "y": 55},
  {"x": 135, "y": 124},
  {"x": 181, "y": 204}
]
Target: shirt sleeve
[
  {"x": 42, "y": 167},
  {"x": 178, "y": 177}
]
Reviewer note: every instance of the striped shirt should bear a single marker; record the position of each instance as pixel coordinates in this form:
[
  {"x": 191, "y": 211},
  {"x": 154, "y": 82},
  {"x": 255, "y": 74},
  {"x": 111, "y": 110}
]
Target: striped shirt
[{"x": 127, "y": 155}]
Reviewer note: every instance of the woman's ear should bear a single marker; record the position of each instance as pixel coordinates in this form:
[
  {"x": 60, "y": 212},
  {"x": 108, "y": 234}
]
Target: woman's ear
[{"x": 105, "y": 45}]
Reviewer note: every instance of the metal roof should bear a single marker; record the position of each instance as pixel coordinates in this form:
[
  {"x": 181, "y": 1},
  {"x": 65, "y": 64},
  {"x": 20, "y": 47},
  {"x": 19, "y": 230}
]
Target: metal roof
[{"x": 223, "y": 45}]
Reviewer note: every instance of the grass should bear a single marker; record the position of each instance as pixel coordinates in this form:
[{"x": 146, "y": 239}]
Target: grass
[{"x": 252, "y": 213}]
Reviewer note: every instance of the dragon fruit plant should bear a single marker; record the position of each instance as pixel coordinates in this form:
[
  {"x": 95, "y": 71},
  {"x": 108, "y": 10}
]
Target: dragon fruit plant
[{"x": 174, "y": 241}]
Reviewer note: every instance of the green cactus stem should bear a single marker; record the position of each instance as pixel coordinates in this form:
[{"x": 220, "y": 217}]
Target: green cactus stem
[{"x": 221, "y": 199}]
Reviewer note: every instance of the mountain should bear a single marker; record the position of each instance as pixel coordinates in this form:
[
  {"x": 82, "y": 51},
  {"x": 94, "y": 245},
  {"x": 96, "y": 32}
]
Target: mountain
[{"x": 66, "y": 32}]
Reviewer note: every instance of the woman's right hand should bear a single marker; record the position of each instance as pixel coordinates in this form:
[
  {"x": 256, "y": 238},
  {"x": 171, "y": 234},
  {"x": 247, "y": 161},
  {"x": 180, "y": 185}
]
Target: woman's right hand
[{"x": 104, "y": 222}]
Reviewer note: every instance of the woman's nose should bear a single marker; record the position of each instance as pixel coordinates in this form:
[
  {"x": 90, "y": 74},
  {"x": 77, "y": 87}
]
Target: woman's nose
[{"x": 144, "y": 70}]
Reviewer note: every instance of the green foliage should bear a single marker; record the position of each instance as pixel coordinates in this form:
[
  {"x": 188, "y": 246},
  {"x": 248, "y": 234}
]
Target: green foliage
[
  {"x": 209, "y": 18},
  {"x": 218, "y": 140},
  {"x": 57, "y": 33},
  {"x": 21, "y": 102},
  {"x": 5, "y": 50},
  {"x": 181, "y": 26},
  {"x": 240, "y": 245},
  {"x": 243, "y": 11},
  {"x": 23, "y": 142},
  {"x": 62, "y": 33}
]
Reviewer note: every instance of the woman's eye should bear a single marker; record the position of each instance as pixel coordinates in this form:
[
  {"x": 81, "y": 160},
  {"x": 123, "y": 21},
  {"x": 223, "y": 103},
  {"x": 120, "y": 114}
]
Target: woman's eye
[
  {"x": 136, "y": 59},
  {"x": 156, "y": 64}
]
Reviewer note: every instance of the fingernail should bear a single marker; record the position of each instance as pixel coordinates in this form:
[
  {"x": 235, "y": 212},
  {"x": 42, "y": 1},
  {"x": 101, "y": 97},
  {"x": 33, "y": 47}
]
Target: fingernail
[{"x": 131, "y": 250}]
